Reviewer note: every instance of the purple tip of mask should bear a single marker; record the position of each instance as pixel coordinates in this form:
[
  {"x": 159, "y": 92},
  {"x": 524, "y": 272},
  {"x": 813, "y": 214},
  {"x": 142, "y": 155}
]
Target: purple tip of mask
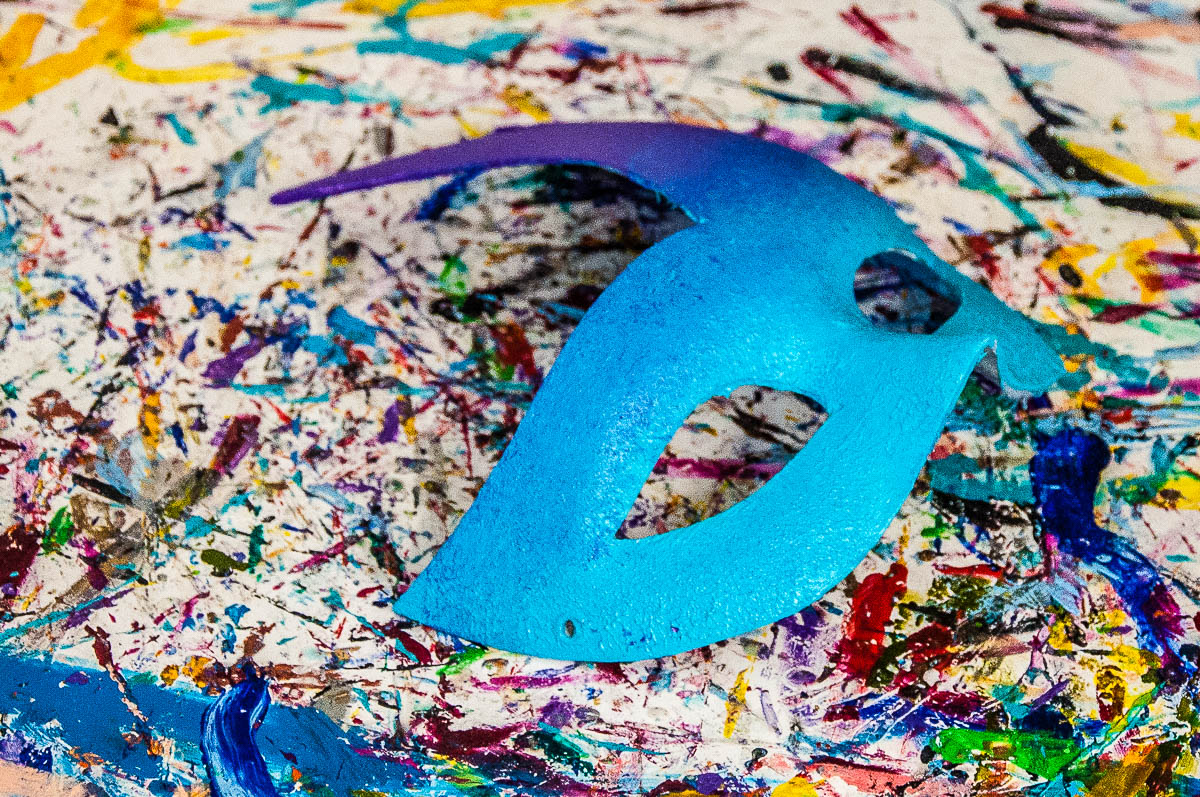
[
  {"x": 502, "y": 147},
  {"x": 610, "y": 144}
]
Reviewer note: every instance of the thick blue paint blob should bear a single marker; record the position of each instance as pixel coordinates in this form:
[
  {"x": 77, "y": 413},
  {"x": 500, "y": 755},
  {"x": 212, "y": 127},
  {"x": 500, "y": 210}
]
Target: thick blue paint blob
[
  {"x": 235, "y": 766},
  {"x": 1065, "y": 473},
  {"x": 38, "y": 692},
  {"x": 759, "y": 291}
]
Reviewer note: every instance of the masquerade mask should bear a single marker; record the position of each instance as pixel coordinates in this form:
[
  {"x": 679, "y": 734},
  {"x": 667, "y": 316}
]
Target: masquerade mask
[{"x": 759, "y": 291}]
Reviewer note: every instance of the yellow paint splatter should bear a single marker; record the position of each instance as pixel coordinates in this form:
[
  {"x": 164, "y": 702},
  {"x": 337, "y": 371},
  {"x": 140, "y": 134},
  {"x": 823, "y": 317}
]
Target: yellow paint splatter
[
  {"x": 467, "y": 127},
  {"x": 526, "y": 103},
  {"x": 436, "y": 8},
  {"x": 735, "y": 704},
  {"x": 131, "y": 70},
  {"x": 151, "y": 424},
  {"x": 796, "y": 787},
  {"x": 195, "y": 668},
  {"x": 1109, "y": 164},
  {"x": 1180, "y": 492},
  {"x": 1132, "y": 257},
  {"x": 42, "y": 303},
  {"x": 1132, "y": 661},
  {"x": 1059, "y": 637},
  {"x": 1127, "y": 778},
  {"x": 170, "y": 674},
  {"x": 211, "y": 35},
  {"x": 1072, "y": 255},
  {"x": 1186, "y": 126},
  {"x": 119, "y": 26}
]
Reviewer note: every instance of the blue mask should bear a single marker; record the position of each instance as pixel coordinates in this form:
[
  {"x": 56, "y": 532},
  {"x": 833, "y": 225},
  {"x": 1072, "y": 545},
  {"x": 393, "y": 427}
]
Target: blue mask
[{"x": 759, "y": 291}]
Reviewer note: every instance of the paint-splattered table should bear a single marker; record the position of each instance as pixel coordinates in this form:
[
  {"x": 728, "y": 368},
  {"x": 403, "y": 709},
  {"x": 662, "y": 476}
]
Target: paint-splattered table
[{"x": 231, "y": 433}]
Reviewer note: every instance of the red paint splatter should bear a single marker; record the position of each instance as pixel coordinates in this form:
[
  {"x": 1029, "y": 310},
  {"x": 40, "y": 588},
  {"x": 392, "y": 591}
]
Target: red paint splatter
[
  {"x": 830, "y": 76},
  {"x": 512, "y": 348},
  {"x": 926, "y": 649},
  {"x": 18, "y": 547},
  {"x": 863, "y": 24},
  {"x": 971, "y": 571},
  {"x": 869, "y": 614},
  {"x": 415, "y": 648},
  {"x": 1118, "y": 313},
  {"x": 981, "y": 246}
]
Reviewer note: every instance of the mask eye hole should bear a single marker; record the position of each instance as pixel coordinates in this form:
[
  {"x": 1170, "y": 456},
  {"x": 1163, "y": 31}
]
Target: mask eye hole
[
  {"x": 898, "y": 292},
  {"x": 727, "y": 449}
]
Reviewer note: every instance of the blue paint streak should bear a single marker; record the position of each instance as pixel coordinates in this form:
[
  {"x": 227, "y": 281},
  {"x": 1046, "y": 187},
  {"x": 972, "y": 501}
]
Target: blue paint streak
[
  {"x": 404, "y": 43},
  {"x": 189, "y": 346},
  {"x": 282, "y": 94},
  {"x": 282, "y": 8},
  {"x": 206, "y": 304},
  {"x": 40, "y": 692},
  {"x": 326, "y": 349},
  {"x": 480, "y": 50},
  {"x": 582, "y": 49},
  {"x": 184, "y": 134},
  {"x": 1065, "y": 473},
  {"x": 352, "y": 329},
  {"x": 439, "y": 202},
  {"x": 240, "y": 171},
  {"x": 228, "y": 727},
  {"x": 202, "y": 241}
]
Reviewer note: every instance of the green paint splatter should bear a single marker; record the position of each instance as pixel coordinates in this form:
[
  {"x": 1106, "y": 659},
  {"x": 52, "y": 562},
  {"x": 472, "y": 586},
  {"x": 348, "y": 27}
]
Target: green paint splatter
[
  {"x": 964, "y": 594},
  {"x": 166, "y": 25},
  {"x": 559, "y": 750},
  {"x": 59, "y": 531},
  {"x": 453, "y": 279},
  {"x": 1041, "y": 754},
  {"x": 221, "y": 563},
  {"x": 256, "y": 544},
  {"x": 462, "y": 660},
  {"x": 196, "y": 486},
  {"x": 1137, "y": 490},
  {"x": 940, "y": 529}
]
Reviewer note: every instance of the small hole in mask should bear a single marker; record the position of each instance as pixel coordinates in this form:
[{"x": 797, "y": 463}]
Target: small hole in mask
[
  {"x": 728, "y": 448},
  {"x": 569, "y": 628},
  {"x": 900, "y": 293}
]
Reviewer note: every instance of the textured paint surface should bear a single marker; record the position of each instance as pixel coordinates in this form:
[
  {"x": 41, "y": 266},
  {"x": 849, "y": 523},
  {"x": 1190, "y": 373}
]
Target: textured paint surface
[
  {"x": 227, "y": 739},
  {"x": 584, "y": 448},
  {"x": 235, "y": 432}
]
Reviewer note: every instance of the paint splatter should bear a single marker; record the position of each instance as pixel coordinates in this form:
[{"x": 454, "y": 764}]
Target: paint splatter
[{"x": 231, "y": 433}]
